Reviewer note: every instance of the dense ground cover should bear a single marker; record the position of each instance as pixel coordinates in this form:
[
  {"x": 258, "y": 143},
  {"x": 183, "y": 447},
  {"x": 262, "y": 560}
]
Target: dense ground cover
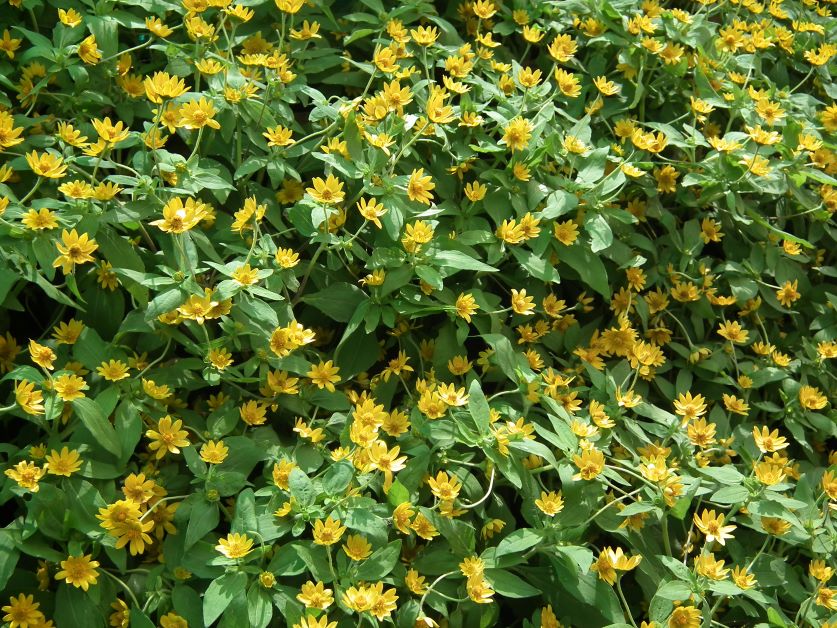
[{"x": 428, "y": 314}]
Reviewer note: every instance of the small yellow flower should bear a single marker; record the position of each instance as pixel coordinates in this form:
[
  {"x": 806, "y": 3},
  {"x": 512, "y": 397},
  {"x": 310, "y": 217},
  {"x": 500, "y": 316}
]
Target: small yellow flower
[
  {"x": 328, "y": 191},
  {"x": 168, "y": 437},
  {"x": 550, "y": 503},
  {"x": 79, "y": 571},
  {"x": 235, "y": 546},
  {"x": 517, "y": 133},
  {"x": 66, "y": 462},
  {"x": 419, "y": 187},
  {"x": 328, "y": 532},
  {"x": 357, "y": 548},
  {"x": 46, "y": 164},
  {"x": 88, "y": 51},
  {"x": 197, "y": 114},
  {"x": 74, "y": 250},
  {"x": 69, "y": 387},
  {"x": 213, "y": 452},
  {"x": 279, "y": 136}
]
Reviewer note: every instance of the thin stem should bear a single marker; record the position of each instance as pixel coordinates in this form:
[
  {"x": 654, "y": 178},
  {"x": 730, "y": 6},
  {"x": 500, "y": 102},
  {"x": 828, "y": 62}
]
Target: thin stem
[
  {"x": 124, "y": 586},
  {"x": 628, "y": 613},
  {"x": 32, "y": 191},
  {"x": 487, "y": 493}
]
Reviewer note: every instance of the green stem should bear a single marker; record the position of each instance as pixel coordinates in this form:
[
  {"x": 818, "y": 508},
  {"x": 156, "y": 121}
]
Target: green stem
[
  {"x": 628, "y": 613},
  {"x": 32, "y": 191}
]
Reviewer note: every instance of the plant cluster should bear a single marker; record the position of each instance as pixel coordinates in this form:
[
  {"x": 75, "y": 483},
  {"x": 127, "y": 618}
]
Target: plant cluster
[{"x": 327, "y": 314}]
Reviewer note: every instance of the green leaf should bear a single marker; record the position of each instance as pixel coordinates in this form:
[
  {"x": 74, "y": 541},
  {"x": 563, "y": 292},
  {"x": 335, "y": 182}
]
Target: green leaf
[
  {"x": 518, "y": 541},
  {"x": 338, "y": 477},
  {"x": 339, "y": 301},
  {"x": 96, "y": 422},
  {"x": 220, "y": 593},
  {"x": 8, "y": 557},
  {"x": 512, "y": 363},
  {"x": 730, "y": 495},
  {"x": 165, "y": 302},
  {"x": 588, "y": 266},
  {"x": 380, "y": 563},
  {"x": 509, "y": 585},
  {"x": 76, "y": 608},
  {"x": 203, "y": 518},
  {"x": 601, "y": 236},
  {"x": 456, "y": 261},
  {"x": 259, "y": 607},
  {"x": 478, "y": 407},
  {"x": 302, "y": 489},
  {"x": 245, "y": 512}
]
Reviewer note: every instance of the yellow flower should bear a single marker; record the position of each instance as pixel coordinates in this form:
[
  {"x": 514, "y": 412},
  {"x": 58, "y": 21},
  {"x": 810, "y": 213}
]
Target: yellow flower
[
  {"x": 197, "y": 114},
  {"x": 425, "y": 35},
  {"x": 109, "y": 132},
  {"x": 289, "y": 6},
  {"x": 416, "y": 234},
  {"x": 466, "y": 306},
  {"x": 811, "y": 398},
  {"x": 574, "y": 145},
  {"x": 685, "y": 617},
  {"x": 521, "y": 303},
  {"x": 769, "y": 473},
  {"x": 517, "y": 133},
  {"x": 357, "y": 547},
  {"x": 23, "y": 612},
  {"x": 419, "y": 187},
  {"x": 315, "y": 595},
  {"x": 41, "y": 355},
  {"x": 444, "y": 487},
  {"x": 168, "y": 437},
  {"x": 66, "y": 462},
  {"x": 31, "y": 401},
  {"x": 79, "y": 571},
  {"x": 689, "y": 407},
  {"x": 775, "y": 526},
  {"x": 612, "y": 560},
  {"x": 213, "y": 452},
  {"x": 328, "y": 532},
  {"x": 46, "y": 165},
  {"x": 562, "y": 48},
  {"x": 235, "y": 545},
  {"x": 113, "y": 370},
  {"x": 590, "y": 464},
  {"x": 666, "y": 179},
  {"x": 70, "y": 17},
  {"x": 279, "y": 136},
  {"x": 27, "y": 475},
  {"x": 328, "y": 191},
  {"x": 372, "y": 211},
  {"x": 179, "y": 217},
  {"x": 156, "y": 26},
  {"x": 74, "y": 249},
  {"x": 88, "y": 51},
  {"x": 286, "y": 258},
  {"x": 324, "y": 375},
  {"x": 606, "y": 87},
  {"x": 565, "y": 232},
  {"x": 162, "y": 85},
  {"x": 253, "y": 413},
  {"x": 484, "y": 9},
  {"x": 743, "y": 578},
  {"x": 712, "y": 526},
  {"x": 69, "y": 387},
  {"x": 733, "y": 331},
  {"x": 550, "y": 503},
  {"x": 820, "y": 570}
]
